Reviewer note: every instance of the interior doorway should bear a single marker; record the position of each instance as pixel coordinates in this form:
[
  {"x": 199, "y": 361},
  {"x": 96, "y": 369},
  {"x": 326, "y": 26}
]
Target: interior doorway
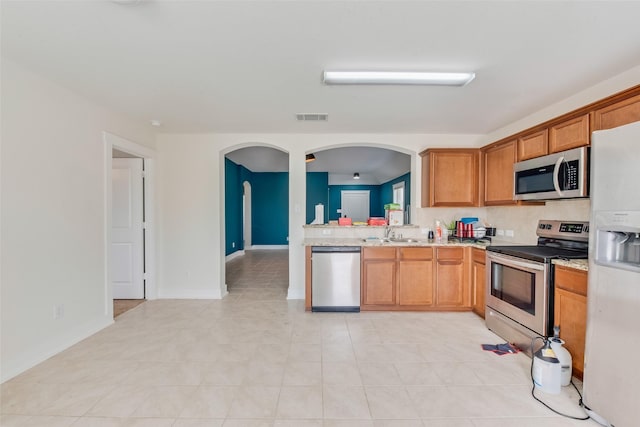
[
  {"x": 117, "y": 149},
  {"x": 127, "y": 231}
]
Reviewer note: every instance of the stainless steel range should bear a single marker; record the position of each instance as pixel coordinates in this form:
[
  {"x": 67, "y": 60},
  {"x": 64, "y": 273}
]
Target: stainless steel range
[{"x": 519, "y": 301}]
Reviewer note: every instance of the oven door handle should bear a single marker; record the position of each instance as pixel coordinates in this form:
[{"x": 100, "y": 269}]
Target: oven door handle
[{"x": 511, "y": 261}]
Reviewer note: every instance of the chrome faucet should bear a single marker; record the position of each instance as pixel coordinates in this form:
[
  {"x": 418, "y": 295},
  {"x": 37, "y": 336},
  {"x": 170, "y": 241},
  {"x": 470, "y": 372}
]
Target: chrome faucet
[{"x": 388, "y": 232}]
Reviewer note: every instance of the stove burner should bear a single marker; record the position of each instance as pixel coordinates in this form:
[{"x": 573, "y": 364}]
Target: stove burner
[{"x": 538, "y": 253}]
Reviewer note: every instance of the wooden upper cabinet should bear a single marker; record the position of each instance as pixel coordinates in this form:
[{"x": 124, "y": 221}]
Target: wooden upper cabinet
[
  {"x": 569, "y": 134},
  {"x": 498, "y": 173},
  {"x": 450, "y": 177},
  {"x": 533, "y": 145},
  {"x": 618, "y": 114}
]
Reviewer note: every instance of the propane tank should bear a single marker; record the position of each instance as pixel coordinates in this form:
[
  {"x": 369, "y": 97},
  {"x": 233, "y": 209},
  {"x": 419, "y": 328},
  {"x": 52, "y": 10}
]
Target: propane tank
[
  {"x": 563, "y": 356},
  {"x": 546, "y": 370}
]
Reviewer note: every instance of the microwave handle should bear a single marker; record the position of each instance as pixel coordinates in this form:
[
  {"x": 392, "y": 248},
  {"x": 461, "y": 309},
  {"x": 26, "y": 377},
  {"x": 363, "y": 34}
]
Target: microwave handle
[{"x": 556, "y": 181}]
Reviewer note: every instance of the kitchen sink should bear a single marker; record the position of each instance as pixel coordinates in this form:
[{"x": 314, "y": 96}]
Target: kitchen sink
[
  {"x": 391, "y": 240},
  {"x": 404, "y": 240}
]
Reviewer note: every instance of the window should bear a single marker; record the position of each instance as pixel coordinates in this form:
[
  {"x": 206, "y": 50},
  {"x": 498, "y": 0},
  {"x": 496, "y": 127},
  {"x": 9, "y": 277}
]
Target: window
[{"x": 398, "y": 194}]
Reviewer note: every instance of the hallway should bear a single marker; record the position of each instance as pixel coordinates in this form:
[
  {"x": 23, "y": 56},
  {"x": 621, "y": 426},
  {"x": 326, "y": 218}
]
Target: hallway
[{"x": 259, "y": 275}]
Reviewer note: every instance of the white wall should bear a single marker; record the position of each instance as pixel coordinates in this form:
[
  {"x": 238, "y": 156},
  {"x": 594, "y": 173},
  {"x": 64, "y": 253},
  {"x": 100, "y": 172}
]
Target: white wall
[
  {"x": 52, "y": 211},
  {"x": 191, "y": 200}
]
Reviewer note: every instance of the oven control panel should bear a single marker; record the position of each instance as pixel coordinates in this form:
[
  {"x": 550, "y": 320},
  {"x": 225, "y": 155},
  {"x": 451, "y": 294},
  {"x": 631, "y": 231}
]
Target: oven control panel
[{"x": 571, "y": 230}]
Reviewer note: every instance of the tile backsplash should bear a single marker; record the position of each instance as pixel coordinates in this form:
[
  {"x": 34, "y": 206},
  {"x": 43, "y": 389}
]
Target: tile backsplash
[{"x": 521, "y": 220}]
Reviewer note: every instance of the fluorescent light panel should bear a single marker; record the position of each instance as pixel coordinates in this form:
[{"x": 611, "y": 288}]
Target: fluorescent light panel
[{"x": 396, "y": 78}]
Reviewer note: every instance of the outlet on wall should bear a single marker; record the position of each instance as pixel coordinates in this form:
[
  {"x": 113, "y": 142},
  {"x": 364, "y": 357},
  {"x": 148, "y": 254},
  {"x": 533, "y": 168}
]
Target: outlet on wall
[
  {"x": 499, "y": 232},
  {"x": 326, "y": 231},
  {"x": 508, "y": 233}
]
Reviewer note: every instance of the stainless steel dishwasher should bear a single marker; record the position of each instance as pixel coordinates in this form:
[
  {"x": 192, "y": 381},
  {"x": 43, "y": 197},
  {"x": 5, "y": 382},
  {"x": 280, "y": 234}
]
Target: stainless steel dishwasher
[{"x": 335, "y": 278}]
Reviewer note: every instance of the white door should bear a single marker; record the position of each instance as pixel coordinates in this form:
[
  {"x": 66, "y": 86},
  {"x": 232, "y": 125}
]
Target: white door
[
  {"x": 127, "y": 251},
  {"x": 355, "y": 204}
]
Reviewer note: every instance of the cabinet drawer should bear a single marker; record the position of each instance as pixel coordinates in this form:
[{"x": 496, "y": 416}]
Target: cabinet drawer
[
  {"x": 450, "y": 253},
  {"x": 571, "y": 280},
  {"x": 378, "y": 253},
  {"x": 416, "y": 253}
]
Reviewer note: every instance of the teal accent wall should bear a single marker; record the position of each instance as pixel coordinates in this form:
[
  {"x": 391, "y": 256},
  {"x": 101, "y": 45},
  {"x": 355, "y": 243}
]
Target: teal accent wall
[
  {"x": 376, "y": 208},
  {"x": 233, "y": 190},
  {"x": 269, "y": 208},
  {"x": 317, "y": 186},
  {"x": 386, "y": 190}
]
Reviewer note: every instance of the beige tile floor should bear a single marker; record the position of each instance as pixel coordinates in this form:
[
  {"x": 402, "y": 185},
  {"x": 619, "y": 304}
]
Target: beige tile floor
[{"x": 256, "y": 359}]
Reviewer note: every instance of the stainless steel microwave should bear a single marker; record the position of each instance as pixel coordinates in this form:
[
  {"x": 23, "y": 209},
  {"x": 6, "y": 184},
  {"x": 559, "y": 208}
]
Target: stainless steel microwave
[{"x": 561, "y": 175}]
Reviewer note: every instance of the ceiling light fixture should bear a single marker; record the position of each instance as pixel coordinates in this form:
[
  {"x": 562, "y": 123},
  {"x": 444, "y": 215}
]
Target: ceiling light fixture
[
  {"x": 310, "y": 158},
  {"x": 396, "y": 78},
  {"x": 356, "y": 175}
]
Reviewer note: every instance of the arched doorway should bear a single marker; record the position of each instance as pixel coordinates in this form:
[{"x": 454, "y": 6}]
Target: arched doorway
[{"x": 256, "y": 221}]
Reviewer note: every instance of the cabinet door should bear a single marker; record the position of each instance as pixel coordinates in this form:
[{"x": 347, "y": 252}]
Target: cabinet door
[
  {"x": 450, "y": 277},
  {"x": 415, "y": 282},
  {"x": 379, "y": 283},
  {"x": 451, "y": 178},
  {"x": 618, "y": 114},
  {"x": 479, "y": 280},
  {"x": 533, "y": 145},
  {"x": 415, "y": 276},
  {"x": 570, "y": 313},
  {"x": 498, "y": 174},
  {"x": 569, "y": 134}
]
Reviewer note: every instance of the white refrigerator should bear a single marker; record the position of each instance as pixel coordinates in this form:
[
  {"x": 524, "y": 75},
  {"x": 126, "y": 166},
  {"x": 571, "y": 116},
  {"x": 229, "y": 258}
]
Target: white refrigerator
[{"x": 612, "y": 353}]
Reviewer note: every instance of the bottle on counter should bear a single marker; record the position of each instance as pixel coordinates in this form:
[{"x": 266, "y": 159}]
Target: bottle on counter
[
  {"x": 430, "y": 236},
  {"x": 438, "y": 232}
]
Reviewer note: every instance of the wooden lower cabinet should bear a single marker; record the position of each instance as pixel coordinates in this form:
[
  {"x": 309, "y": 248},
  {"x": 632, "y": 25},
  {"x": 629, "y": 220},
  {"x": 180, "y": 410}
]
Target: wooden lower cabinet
[
  {"x": 570, "y": 312},
  {"x": 414, "y": 278},
  {"x": 451, "y": 277},
  {"x": 379, "y": 276},
  {"x": 478, "y": 280}
]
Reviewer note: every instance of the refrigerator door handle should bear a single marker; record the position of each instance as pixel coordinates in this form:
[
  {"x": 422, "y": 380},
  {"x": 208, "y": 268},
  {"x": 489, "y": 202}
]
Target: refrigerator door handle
[{"x": 556, "y": 172}]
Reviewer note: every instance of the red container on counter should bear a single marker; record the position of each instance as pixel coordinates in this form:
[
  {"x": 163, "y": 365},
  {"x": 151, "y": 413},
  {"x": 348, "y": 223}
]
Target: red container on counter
[
  {"x": 376, "y": 221},
  {"x": 345, "y": 221}
]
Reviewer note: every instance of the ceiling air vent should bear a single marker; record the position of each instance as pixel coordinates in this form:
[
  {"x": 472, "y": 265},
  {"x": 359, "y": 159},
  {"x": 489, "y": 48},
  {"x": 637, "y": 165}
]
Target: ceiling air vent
[{"x": 312, "y": 117}]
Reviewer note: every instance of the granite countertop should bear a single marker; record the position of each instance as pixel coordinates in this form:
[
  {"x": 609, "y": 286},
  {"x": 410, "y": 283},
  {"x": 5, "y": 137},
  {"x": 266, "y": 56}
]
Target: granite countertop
[
  {"x": 379, "y": 242},
  {"x": 578, "y": 264}
]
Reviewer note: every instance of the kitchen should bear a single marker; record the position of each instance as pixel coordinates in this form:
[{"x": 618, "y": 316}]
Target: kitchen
[{"x": 190, "y": 243}]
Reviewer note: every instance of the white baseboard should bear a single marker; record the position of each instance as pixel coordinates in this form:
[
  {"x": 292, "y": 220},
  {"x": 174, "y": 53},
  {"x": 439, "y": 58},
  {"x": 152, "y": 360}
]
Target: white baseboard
[
  {"x": 191, "y": 294},
  {"x": 295, "y": 293},
  {"x": 51, "y": 347},
  {"x": 254, "y": 247},
  {"x": 234, "y": 255}
]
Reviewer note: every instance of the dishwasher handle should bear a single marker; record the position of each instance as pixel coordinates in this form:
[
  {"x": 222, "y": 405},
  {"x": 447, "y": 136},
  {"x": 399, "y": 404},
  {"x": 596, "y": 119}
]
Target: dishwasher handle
[{"x": 335, "y": 249}]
